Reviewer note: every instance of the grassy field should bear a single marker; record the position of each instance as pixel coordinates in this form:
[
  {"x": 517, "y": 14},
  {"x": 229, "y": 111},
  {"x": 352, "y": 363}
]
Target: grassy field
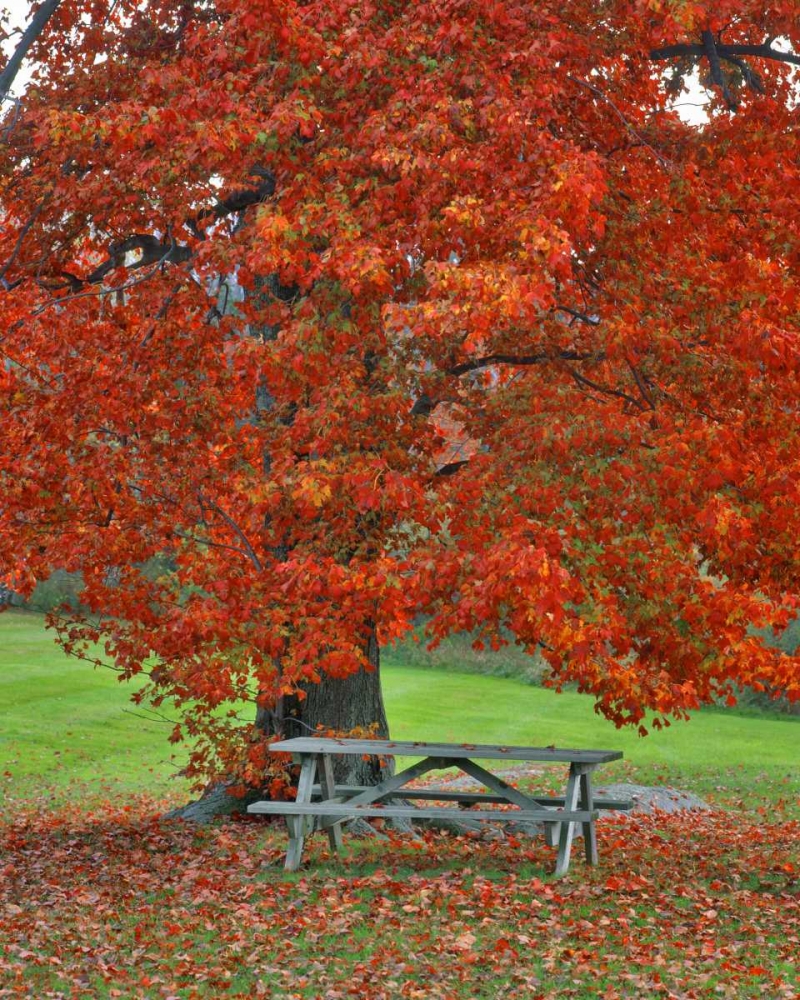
[
  {"x": 100, "y": 898},
  {"x": 66, "y": 723}
]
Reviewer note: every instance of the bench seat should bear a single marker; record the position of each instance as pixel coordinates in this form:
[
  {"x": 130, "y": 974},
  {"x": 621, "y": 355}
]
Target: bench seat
[
  {"x": 344, "y": 811},
  {"x": 473, "y": 798}
]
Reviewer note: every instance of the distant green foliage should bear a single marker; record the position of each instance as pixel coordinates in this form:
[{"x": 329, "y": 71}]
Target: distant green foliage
[
  {"x": 58, "y": 589},
  {"x": 457, "y": 653},
  {"x": 789, "y": 642},
  {"x": 62, "y": 588}
]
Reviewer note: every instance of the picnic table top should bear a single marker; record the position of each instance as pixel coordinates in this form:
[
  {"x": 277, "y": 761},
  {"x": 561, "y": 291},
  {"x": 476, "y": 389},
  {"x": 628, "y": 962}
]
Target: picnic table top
[{"x": 453, "y": 751}]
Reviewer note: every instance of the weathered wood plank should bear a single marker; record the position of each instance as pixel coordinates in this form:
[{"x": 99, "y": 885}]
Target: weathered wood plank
[
  {"x": 589, "y": 831},
  {"x": 567, "y": 829},
  {"x": 328, "y": 788},
  {"x": 346, "y": 810},
  {"x": 453, "y": 751},
  {"x": 496, "y": 784},
  {"x": 373, "y": 793},
  {"x": 473, "y": 798},
  {"x": 296, "y": 822}
]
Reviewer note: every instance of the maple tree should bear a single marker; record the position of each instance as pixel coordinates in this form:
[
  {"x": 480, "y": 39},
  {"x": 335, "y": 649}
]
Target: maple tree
[{"x": 319, "y": 317}]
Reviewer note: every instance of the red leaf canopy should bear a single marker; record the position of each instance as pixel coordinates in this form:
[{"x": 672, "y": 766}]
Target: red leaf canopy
[{"x": 324, "y": 314}]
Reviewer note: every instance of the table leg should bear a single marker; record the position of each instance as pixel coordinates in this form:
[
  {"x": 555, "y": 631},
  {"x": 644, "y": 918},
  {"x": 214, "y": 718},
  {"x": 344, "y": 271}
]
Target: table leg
[
  {"x": 589, "y": 831},
  {"x": 297, "y": 824},
  {"x": 567, "y": 830},
  {"x": 328, "y": 789}
]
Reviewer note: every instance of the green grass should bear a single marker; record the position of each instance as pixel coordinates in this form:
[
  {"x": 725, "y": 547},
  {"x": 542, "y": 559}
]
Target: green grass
[
  {"x": 107, "y": 901},
  {"x": 66, "y": 724}
]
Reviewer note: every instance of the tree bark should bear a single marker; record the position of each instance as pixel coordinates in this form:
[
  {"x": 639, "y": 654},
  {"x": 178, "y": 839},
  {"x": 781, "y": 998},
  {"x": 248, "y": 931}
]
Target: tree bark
[{"x": 342, "y": 704}]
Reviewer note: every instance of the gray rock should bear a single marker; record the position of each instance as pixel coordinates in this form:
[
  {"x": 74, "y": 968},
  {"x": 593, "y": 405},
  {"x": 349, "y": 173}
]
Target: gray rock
[{"x": 646, "y": 798}]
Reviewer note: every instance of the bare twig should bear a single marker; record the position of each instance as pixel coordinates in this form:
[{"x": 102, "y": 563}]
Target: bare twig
[
  {"x": 662, "y": 160},
  {"x": 18, "y": 245},
  {"x": 250, "y": 551},
  {"x": 640, "y": 383},
  {"x": 604, "y": 390},
  {"x": 207, "y": 542}
]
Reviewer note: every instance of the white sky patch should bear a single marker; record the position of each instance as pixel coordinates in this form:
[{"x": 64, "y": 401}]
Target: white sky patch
[{"x": 16, "y": 14}]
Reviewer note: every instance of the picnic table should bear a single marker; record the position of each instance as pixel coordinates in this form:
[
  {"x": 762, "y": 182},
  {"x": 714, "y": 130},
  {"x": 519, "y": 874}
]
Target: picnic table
[{"x": 323, "y": 805}]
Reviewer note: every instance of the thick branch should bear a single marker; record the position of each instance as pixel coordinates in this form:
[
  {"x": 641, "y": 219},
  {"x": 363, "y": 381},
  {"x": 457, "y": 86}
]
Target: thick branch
[
  {"x": 153, "y": 250},
  {"x": 451, "y": 468},
  {"x": 711, "y": 53},
  {"x": 521, "y": 360},
  {"x": 673, "y": 51},
  {"x": 237, "y": 201},
  {"x": 29, "y": 36},
  {"x": 762, "y": 51},
  {"x": 729, "y": 52},
  {"x": 576, "y": 315}
]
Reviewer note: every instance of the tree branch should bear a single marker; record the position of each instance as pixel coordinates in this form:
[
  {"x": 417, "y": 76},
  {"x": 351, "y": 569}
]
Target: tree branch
[
  {"x": 729, "y": 52},
  {"x": 640, "y": 383},
  {"x": 590, "y": 320},
  {"x": 205, "y": 541},
  {"x": 250, "y": 552},
  {"x": 762, "y": 51},
  {"x": 521, "y": 360},
  {"x": 451, "y": 468},
  {"x": 98, "y": 292},
  {"x": 155, "y": 250},
  {"x": 663, "y": 161},
  {"x": 604, "y": 389},
  {"x": 711, "y": 53},
  {"x": 18, "y": 246},
  {"x": 29, "y": 36}
]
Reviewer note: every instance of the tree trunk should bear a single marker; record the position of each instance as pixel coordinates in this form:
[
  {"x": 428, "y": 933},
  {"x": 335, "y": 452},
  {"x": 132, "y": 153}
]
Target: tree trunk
[
  {"x": 343, "y": 705},
  {"x": 340, "y": 704}
]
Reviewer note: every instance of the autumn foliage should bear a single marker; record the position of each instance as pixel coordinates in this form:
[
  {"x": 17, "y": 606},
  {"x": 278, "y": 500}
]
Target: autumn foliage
[
  {"x": 318, "y": 316},
  {"x": 118, "y": 903}
]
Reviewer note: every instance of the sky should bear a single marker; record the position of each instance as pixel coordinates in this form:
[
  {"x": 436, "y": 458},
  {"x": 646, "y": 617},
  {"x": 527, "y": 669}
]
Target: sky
[{"x": 18, "y": 13}]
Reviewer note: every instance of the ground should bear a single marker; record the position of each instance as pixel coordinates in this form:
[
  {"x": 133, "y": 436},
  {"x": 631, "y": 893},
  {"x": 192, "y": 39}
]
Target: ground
[
  {"x": 100, "y": 897},
  {"x": 116, "y": 903}
]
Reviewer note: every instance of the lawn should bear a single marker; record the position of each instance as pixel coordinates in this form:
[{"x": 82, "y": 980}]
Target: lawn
[
  {"x": 67, "y": 723},
  {"x": 101, "y": 898}
]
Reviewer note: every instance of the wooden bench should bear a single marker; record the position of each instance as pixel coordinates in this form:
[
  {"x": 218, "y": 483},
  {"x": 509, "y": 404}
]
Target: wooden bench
[{"x": 323, "y": 805}]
